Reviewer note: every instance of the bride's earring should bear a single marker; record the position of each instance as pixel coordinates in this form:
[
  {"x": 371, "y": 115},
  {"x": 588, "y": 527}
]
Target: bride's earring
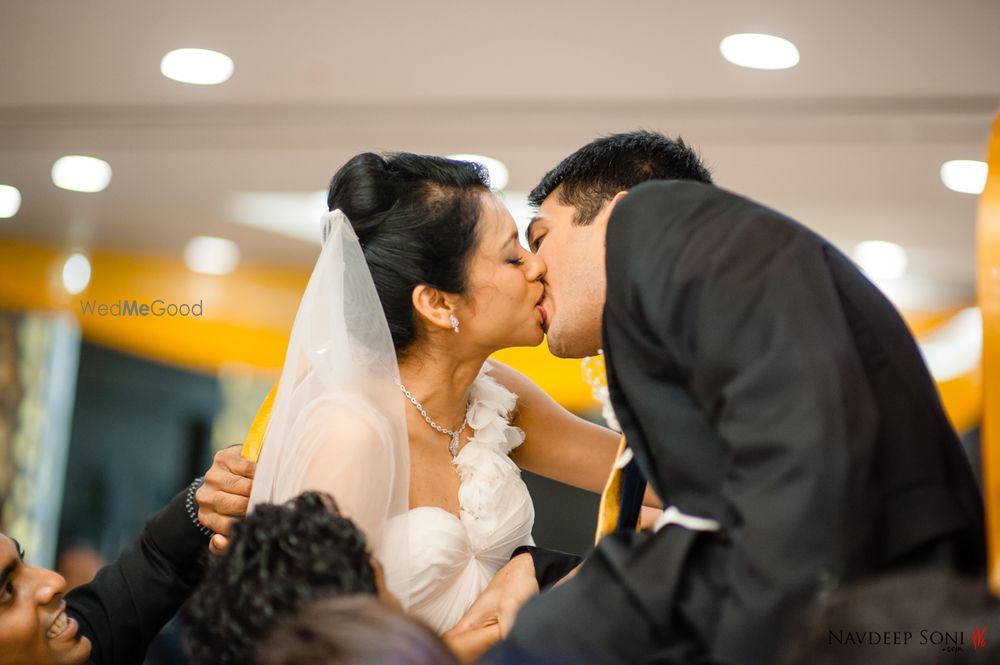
[{"x": 454, "y": 323}]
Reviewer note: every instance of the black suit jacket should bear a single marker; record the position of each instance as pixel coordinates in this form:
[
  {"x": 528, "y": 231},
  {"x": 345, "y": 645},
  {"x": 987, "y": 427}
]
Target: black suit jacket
[
  {"x": 763, "y": 382},
  {"x": 130, "y": 601}
]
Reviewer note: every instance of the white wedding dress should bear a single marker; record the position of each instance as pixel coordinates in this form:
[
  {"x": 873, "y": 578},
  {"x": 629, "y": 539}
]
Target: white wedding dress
[
  {"x": 451, "y": 559},
  {"x": 338, "y": 425}
]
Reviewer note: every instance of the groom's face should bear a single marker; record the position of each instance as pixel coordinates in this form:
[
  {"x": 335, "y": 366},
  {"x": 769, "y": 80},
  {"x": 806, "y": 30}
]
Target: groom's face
[{"x": 574, "y": 280}]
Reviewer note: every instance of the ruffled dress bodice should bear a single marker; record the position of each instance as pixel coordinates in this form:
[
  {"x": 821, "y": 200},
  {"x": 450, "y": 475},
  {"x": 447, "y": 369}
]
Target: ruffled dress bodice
[{"x": 452, "y": 559}]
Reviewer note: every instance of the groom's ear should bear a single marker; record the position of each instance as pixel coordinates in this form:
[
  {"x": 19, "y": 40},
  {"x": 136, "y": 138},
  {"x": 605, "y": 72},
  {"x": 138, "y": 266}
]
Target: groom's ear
[
  {"x": 601, "y": 224},
  {"x": 604, "y": 214},
  {"x": 433, "y": 305},
  {"x": 614, "y": 201}
]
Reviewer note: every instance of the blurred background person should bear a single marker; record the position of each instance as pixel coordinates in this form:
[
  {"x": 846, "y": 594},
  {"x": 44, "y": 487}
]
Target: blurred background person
[{"x": 356, "y": 630}]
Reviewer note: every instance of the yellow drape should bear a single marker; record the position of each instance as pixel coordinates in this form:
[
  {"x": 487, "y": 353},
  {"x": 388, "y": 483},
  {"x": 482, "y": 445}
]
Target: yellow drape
[{"x": 989, "y": 303}]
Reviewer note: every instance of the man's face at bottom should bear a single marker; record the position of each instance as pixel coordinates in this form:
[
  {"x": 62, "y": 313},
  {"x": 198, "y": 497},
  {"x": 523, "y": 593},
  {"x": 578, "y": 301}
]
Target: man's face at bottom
[
  {"x": 575, "y": 282},
  {"x": 34, "y": 627}
]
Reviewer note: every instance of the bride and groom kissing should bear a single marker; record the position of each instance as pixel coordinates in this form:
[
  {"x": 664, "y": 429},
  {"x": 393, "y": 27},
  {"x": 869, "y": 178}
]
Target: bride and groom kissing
[{"x": 776, "y": 412}]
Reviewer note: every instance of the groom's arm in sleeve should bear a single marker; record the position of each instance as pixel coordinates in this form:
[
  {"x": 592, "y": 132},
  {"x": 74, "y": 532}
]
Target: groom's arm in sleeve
[
  {"x": 130, "y": 600},
  {"x": 550, "y": 565},
  {"x": 742, "y": 301}
]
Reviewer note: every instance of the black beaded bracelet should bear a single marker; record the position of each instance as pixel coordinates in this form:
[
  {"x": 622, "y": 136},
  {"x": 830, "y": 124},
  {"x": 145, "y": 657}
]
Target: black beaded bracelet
[{"x": 192, "y": 507}]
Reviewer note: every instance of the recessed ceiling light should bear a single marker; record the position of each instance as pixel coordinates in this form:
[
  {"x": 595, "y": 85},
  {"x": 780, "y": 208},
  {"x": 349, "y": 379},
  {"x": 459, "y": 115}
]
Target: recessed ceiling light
[
  {"x": 10, "y": 201},
  {"x": 499, "y": 175},
  {"x": 211, "y": 256},
  {"x": 967, "y": 176},
  {"x": 76, "y": 273},
  {"x": 758, "y": 51},
  {"x": 79, "y": 173},
  {"x": 293, "y": 214},
  {"x": 880, "y": 259},
  {"x": 197, "y": 66}
]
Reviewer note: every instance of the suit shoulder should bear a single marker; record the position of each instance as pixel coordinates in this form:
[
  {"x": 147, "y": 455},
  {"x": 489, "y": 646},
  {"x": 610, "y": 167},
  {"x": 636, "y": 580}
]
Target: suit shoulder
[
  {"x": 658, "y": 205},
  {"x": 661, "y": 196},
  {"x": 661, "y": 207}
]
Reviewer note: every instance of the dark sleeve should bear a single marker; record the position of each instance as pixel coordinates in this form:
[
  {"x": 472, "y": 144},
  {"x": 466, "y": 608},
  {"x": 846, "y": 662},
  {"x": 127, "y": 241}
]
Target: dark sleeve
[
  {"x": 130, "y": 601},
  {"x": 550, "y": 565}
]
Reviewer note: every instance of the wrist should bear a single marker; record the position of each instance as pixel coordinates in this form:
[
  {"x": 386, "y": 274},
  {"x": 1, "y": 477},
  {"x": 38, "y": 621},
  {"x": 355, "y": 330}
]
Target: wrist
[{"x": 192, "y": 507}]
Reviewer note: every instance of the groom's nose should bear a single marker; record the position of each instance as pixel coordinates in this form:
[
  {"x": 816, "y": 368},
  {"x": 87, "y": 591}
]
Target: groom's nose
[{"x": 536, "y": 267}]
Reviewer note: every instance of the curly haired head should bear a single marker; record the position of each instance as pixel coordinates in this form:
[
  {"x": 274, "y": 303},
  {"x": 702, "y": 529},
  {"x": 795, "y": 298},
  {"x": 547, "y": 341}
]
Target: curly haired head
[{"x": 279, "y": 558}]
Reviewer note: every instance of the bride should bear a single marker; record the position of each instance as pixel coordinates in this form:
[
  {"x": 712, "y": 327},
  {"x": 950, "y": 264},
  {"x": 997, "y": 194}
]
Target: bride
[{"x": 388, "y": 399}]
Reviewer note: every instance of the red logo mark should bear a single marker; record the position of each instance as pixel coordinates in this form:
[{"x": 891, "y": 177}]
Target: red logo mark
[{"x": 979, "y": 637}]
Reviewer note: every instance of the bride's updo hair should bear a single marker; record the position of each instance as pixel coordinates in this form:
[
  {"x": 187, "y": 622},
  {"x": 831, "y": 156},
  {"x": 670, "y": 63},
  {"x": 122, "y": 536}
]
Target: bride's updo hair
[{"x": 416, "y": 218}]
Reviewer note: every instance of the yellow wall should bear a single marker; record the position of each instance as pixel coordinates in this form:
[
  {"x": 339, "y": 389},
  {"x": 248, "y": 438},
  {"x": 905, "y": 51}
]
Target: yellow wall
[{"x": 247, "y": 316}]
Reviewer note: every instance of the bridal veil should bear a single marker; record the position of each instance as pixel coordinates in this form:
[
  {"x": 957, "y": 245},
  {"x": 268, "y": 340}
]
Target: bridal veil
[{"x": 337, "y": 423}]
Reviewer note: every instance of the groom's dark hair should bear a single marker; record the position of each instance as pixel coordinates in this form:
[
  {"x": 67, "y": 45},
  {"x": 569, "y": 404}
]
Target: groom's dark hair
[
  {"x": 592, "y": 175},
  {"x": 279, "y": 558}
]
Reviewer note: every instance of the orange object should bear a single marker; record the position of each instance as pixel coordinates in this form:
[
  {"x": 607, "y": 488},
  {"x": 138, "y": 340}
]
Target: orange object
[
  {"x": 989, "y": 303},
  {"x": 611, "y": 499},
  {"x": 254, "y": 442}
]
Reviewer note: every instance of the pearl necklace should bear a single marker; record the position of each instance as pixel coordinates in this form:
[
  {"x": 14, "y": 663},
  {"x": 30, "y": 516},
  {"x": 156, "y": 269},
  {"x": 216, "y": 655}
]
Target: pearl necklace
[{"x": 454, "y": 434}]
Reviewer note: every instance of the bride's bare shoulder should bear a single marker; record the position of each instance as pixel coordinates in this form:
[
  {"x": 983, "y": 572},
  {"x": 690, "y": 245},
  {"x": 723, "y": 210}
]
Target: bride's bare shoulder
[
  {"x": 349, "y": 424},
  {"x": 508, "y": 377},
  {"x": 529, "y": 394}
]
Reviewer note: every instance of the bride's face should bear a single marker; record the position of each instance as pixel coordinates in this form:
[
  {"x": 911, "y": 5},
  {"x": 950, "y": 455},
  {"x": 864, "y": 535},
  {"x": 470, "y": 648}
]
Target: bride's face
[{"x": 500, "y": 307}]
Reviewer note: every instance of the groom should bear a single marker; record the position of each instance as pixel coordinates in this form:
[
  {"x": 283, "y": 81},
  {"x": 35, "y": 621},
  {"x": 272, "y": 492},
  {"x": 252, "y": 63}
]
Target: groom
[{"x": 768, "y": 392}]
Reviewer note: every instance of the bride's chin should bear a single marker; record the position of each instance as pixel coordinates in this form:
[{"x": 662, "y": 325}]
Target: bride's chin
[
  {"x": 533, "y": 338},
  {"x": 529, "y": 333},
  {"x": 536, "y": 338}
]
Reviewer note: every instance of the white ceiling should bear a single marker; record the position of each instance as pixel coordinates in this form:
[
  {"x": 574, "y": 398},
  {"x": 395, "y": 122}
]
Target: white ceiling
[{"x": 850, "y": 141}]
